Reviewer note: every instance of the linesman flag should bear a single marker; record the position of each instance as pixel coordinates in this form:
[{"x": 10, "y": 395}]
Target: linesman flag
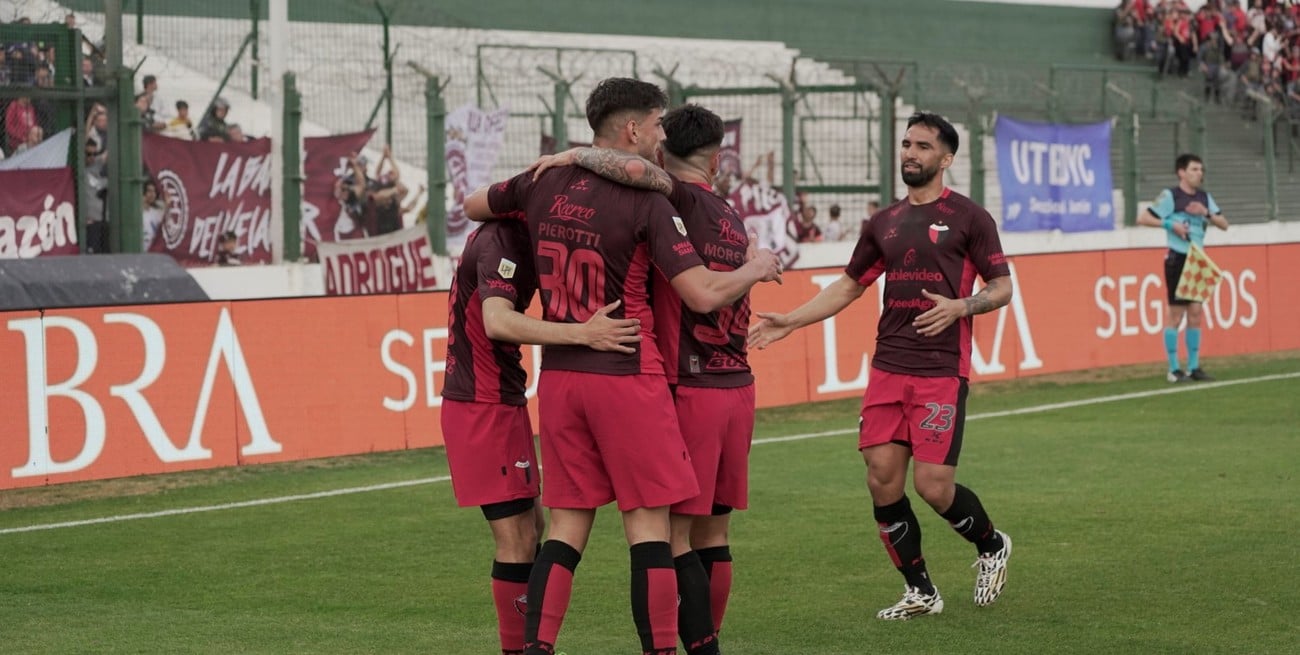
[{"x": 1200, "y": 276}]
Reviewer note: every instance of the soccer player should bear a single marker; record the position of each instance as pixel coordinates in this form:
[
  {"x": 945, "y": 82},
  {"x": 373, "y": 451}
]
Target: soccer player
[
  {"x": 485, "y": 423},
  {"x": 705, "y": 360},
  {"x": 609, "y": 431},
  {"x": 929, "y": 247},
  {"x": 1185, "y": 212}
]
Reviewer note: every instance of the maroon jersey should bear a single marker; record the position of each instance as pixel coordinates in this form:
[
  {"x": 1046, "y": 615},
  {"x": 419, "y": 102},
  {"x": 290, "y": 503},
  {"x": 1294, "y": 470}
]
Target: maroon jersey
[
  {"x": 705, "y": 350},
  {"x": 497, "y": 261},
  {"x": 939, "y": 247},
  {"x": 595, "y": 242}
]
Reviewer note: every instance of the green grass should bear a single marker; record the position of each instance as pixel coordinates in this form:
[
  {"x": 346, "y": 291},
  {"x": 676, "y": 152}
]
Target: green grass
[{"x": 1162, "y": 524}]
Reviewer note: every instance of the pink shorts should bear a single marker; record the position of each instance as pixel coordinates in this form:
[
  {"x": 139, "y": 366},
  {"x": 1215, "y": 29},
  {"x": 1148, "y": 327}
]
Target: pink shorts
[
  {"x": 718, "y": 427},
  {"x": 490, "y": 452},
  {"x": 925, "y": 414},
  {"x": 611, "y": 437}
]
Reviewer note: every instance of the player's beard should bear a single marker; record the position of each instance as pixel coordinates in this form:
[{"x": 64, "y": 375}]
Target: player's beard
[{"x": 919, "y": 177}]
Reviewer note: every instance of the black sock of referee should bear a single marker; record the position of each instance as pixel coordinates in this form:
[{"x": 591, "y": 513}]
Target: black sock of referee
[
  {"x": 901, "y": 534},
  {"x": 694, "y": 614},
  {"x": 966, "y": 515},
  {"x": 549, "y": 586}
]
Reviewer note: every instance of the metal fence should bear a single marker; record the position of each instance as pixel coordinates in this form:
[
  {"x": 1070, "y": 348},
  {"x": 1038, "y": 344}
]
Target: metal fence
[{"x": 831, "y": 126}]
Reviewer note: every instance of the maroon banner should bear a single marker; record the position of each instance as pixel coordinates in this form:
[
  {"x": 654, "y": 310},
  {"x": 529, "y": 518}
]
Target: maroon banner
[
  {"x": 211, "y": 188},
  {"x": 328, "y": 213},
  {"x": 729, "y": 154},
  {"x": 397, "y": 262},
  {"x": 38, "y": 214}
]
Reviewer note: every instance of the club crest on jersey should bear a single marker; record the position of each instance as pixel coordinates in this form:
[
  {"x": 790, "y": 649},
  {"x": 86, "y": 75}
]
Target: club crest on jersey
[
  {"x": 938, "y": 232},
  {"x": 681, "y": 227},
  {"x": 506, "y": 268}
]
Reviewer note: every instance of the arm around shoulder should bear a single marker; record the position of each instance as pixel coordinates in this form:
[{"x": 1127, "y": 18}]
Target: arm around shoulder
[{"x": 476, "y": 205}]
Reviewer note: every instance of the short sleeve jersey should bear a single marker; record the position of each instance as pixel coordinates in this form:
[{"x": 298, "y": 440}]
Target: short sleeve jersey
[
  {"x": 596, "y": 242},
  {"x": 1173, "y": 202},
  {"x": 939, "y": 247},
  {"x": 705, "y": 350},
  {"x": 497, "y": 262}
]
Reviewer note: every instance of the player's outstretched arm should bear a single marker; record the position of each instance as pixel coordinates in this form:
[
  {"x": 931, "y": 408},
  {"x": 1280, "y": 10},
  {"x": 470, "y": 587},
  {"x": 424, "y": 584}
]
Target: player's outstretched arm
[
  {"x": 476, "y": 205},
  {"x": 706, "y": 291},
  {"x": 772, "y": 327},
  {"x": 996, "y": 293},
  {"x": 600, "y": 332},
  {"x": 615, "y": 165}
]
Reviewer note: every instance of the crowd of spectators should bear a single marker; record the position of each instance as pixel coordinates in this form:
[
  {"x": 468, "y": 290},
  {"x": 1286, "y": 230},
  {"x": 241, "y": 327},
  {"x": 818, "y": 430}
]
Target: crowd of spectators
[
  {"x": 1235, "y": 48},
  {"x": 28, "y": 120}
]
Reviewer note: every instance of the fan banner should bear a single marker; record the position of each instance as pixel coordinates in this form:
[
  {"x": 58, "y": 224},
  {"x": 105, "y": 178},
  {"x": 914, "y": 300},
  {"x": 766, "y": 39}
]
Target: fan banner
[
  {"x": 397, "y": 262},
  {"x": 328, "y": 212},
  {"x": 474, "y": 139},
  {"x": 38, "y": 214},
  {"x": 1054, "y": 177},
  {"x": 211, "y": 188},
  {"x": 1199, "y": 277}
]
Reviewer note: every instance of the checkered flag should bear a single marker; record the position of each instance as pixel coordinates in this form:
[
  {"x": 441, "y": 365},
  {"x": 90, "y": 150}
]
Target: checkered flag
[{"x": 1200, "y": 276}]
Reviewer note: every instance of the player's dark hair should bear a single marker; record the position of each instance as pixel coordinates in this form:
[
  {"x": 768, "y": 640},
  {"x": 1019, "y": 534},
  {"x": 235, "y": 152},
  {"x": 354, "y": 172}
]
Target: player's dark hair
[
  {"x": 1186, "y": 159},
  {"x": 689, "y": 128},
  {"x": 947, "y": 133},
  {"x": 615, "y": 95}
]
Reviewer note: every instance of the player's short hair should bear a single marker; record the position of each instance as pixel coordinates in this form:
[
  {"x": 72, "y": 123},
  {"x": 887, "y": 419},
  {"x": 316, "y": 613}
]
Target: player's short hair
[
  {"x": 689, "y": 128},
  {"x": 947, "y": 133},
  {"x": 835, "y": 211},
  {"x": 1186, "y": 159},
  {"x": 616, "y": 95}
]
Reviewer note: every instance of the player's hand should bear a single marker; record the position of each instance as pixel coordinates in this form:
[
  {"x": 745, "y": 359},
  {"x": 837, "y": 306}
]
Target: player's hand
[
  {"x": 1182, "y": 230},
  {"x": 765, "y": 261},
  {"x": 1196, "y": 208},
  {"x": 769, "y": 329},
  {"x": 544, "y": 162},
  {"x": 937, "y": 319},
  {"x": 612, "y": 334}
]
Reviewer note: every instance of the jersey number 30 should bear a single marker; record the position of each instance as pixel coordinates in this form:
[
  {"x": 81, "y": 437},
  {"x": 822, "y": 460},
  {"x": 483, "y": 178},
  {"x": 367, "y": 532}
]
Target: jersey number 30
[{"x": 574, "y": 285}]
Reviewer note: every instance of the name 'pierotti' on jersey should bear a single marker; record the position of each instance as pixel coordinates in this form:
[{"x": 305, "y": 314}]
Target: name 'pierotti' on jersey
[
  {"x": 939, "y": 247},
  {"x": 705, "y": 350},
  {"x": 497, "y": 262},
  {"x": 596, "y": 242}
]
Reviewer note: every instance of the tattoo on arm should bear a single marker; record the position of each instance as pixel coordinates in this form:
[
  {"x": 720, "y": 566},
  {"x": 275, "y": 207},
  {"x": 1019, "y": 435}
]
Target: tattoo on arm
[
  {"x": 982, "y": 302},
  {"x": 625, "y": 168}
]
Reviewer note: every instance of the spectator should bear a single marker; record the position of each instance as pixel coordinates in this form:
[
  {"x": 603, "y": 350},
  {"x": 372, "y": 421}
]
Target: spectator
[
  {"x": 88, "y": 78},
  {"x": 806, "y": 231},
  {"x": 19, "y": 119},
  {"x": 94, "y": 200},
  {"x": 1183, "y": 39},
  {"x": 44, "y": 108},
  {"x": 153, "y": 210},
  {"x": 213, "y": 125},
  {"x": 1211, "y": 63},
  {"x": 384, "y": 196},
  {"x": 873, "y": 206},
  {"x": 235, "y": 134},
  {"x": 4, "y": 65},
  {"x": 157, "y": 109},
  {"x": 35, "y": 135},
  {"x": 70, "y": 21},
  {"x": 181, "y": 127},
  {"x": 1128, "y": 29},
  {"x": 834, "y": 228},
  {"x": 227, "y": 254}
]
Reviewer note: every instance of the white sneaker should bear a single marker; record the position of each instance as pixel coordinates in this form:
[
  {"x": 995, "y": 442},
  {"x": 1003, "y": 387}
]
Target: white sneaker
[
  {"x": 992, "y": 576},
  {"x": 914, "y": 603}
]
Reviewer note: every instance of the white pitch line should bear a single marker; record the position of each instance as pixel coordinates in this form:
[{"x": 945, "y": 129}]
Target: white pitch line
[{"x": 1199, "y": 386}]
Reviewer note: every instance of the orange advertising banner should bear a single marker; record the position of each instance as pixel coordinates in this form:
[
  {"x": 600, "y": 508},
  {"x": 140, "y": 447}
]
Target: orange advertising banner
[{"x": 98, "y": 393}]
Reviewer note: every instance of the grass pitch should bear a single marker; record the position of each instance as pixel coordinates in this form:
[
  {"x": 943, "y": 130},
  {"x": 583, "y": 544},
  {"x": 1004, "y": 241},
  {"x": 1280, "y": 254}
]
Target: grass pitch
[{"x": 1159, "y": 521}]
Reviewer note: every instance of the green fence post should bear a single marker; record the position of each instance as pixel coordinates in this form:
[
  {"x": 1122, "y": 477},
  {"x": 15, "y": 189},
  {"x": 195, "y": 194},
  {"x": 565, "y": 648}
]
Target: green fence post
[
  {"x": 559, "y": 129},
  {"x": 788, "y": 100},
  {"x": 887, "y": 144},
  {"x": 124, "y": 152},
  {"x": 255, "y": 8},
  {"x": 1129, "y": 135},
  {"x": 976, "y": 128},
  {"x": 436, "y": 164},
  {"x": 290, "y": 150},
  {"x": 1267, "y": 117},
  {"x": 139, "y": 22}
]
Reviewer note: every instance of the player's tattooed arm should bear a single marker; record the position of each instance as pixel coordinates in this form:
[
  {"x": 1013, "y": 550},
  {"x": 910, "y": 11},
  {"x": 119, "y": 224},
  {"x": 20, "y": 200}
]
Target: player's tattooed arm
[
  {"x": 995, "y": 294},
  {"x": 624, "y": 168},
  {"x": 932, "y": 322},
  {"x": 614, "y": 165}
]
